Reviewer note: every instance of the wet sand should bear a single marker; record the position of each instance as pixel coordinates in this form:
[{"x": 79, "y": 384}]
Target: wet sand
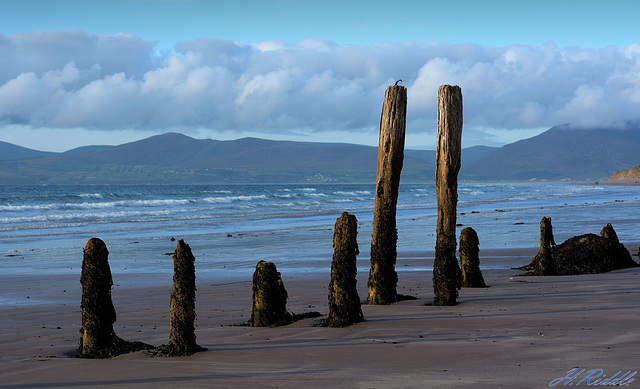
[{"x": 518, "y": 332}]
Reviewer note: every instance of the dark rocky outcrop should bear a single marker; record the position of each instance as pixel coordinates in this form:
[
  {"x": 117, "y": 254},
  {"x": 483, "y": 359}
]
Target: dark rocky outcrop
[{"x": 587, "y": 254}]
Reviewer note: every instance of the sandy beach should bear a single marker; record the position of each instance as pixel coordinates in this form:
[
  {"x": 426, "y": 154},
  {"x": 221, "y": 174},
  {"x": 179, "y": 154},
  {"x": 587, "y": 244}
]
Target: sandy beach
[{"x": 518, "y": 332}]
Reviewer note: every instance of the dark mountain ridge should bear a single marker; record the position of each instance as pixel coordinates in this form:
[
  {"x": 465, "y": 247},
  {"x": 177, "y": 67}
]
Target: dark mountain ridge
[
  {"x": 11, "y": 152},
  {"x": 561, "y": 153},
  {"x": 178, "y": 158}
]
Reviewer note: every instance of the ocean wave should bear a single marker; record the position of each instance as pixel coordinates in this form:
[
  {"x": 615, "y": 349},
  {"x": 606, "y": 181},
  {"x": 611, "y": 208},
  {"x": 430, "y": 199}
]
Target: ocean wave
[
  {"x": 60, "y": 212},
  {"x": 281, "y": 196},
  {"x": 90, "y": 195},
  {"x": 92, "y": 205},
  {"x": 352, "y": 193},
  {"x": 315, "y": 194},
  {"x": 85, "y": 216},
  {"x": 285, "y": 205}
]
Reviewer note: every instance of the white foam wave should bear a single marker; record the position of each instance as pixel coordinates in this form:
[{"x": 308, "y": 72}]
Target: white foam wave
[
  {"x": 316, "y": 194},
  {"x": 91, "y": 195}
]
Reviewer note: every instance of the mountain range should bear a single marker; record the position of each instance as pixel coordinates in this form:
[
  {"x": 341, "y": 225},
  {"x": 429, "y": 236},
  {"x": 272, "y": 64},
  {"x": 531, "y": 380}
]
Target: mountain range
[{"x": 560, "y": 153}]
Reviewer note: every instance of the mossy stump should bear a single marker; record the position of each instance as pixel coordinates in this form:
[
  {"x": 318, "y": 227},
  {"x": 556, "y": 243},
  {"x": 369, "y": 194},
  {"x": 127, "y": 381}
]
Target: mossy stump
[
  {"x": 447, "y": 277},
  {"x": 546, "y": 264},
  {"x": 182, "y": 337},
  {"x": 269, "y": 297},
  {"x": 344, "y": 302},
  {"x": 469, "y": 259},
  {"x": 98, "y": 339},
  {"x": 383, "y": 279},
  {"x": 609, "y": 233}
]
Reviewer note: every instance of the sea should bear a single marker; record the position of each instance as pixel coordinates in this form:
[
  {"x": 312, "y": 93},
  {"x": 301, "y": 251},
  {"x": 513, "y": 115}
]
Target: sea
[{"x": 43, "y": 229}]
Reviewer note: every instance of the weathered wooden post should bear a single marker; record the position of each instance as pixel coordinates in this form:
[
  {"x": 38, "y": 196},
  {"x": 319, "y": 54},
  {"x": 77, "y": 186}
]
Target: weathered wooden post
[
  {"x": 446, "y": 272},
  {"x": 269, "y": 297},
  {"x": 182, "y": 337},
  {"x": 344, "y": 302},
  {"x": 469, "y": 259},
  {"x": 383, "y": 278},
  {"x": 98, "y": 314},
  {"x": 546, "y": 265}
]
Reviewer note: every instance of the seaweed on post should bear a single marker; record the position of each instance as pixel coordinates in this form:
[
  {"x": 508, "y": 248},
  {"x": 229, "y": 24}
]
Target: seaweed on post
[
  {"x": 98, "y": 338},
  {"x": 546, "y": 264},
  {"x": 269, "y": 297},
  {"x": 182, "y": 337},
  {"x": 344, "y": 302},
  {"x": 469, "y": 259}
]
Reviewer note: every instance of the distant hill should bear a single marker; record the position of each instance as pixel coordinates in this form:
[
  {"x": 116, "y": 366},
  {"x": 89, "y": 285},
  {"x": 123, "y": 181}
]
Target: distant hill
[
  {"x": 560, "y": 153},
  {"x": 9, "y": 152},
  {"x": 176, "y": 158},
  {"x": 86, "y": 149},
  {"x": 629, "y": 175},
  {"x": 469, "y": 154}
]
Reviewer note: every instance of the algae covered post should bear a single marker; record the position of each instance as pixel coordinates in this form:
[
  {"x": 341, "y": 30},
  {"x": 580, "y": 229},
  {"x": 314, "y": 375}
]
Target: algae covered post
[
  {"x": 182, "y": 337},
  {"x": 469, "y": 259},
  {"x": 269, "y": 297},
  {"x": 344, "y": 302},
  {"x": 383, "y": 278},
  {"x": 446, "y": 272},
  {"x": 98, "y": 313},
  {"x": 546, "y": 264}
]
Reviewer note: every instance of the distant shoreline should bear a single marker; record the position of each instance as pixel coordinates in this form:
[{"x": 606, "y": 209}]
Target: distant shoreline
[{"x": 621, "y": 182}]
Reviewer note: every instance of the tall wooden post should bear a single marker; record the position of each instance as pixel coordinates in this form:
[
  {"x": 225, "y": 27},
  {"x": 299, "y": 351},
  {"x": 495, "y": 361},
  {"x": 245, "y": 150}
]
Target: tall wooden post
[
  {"x": 383, "y": 278},
  {"x": 446, "y": 272},
  {"x": 344, "y": 302}
]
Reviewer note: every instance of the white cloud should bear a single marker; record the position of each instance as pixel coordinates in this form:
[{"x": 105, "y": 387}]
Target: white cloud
[{"x": 72, "y": 79}]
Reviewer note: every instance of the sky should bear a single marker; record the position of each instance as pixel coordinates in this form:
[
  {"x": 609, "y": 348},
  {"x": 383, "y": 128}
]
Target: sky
[{"x": 86, "y": 72}]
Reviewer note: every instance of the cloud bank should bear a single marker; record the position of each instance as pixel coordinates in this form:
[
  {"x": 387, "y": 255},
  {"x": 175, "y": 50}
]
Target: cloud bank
[{"x": 73, "y": 79}]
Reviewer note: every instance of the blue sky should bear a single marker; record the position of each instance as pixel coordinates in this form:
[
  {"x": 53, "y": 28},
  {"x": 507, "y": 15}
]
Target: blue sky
[
  {"x": 108, "y": 72},
  {"x": 583, "y": 23}
]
